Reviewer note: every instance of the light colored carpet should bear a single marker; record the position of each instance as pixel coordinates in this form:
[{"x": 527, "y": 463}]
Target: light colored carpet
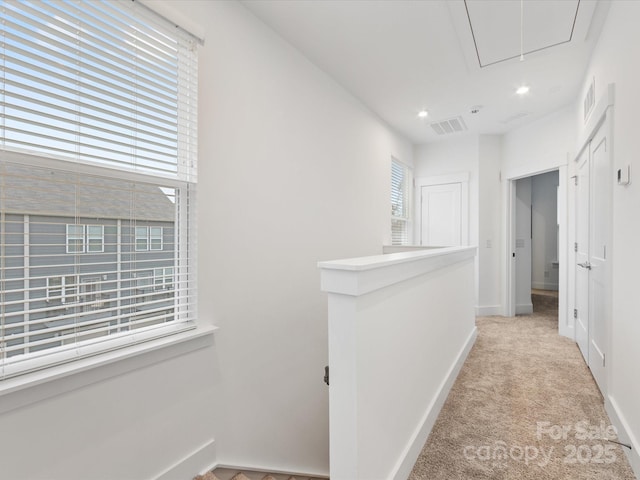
[
  {"x": 521, "y": 408},
  {"x": 233, "y": 474}
]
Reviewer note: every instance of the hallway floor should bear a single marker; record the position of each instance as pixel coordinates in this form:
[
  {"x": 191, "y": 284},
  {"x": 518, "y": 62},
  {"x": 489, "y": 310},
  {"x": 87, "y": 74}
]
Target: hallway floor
[{"x": 524, "y": 406}]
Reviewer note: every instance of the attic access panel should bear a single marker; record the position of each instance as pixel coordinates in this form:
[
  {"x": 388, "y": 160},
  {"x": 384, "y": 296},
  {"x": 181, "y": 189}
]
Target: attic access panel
[{"x": 495, "y": 27}]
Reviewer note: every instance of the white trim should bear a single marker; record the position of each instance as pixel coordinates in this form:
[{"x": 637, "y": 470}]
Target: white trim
[
  {"x": 597, "y": 116},
  {"x": 151, "y": 237},
  {"x": 565, "y": 320},
  {"x": 144, "y": 237},
  {"x": 202, "y": 459},
  {"x": 176, "y": 16},
  {"x": 509, "y": 234},
  {"x": 565, "y": 325},
  {"x": 411, "y": 452},
  {"x": 358, "y": 276},
  {"x": 625, "y": 433},
  {"x": 89, "y": 236},
  {"x": 443, "y": 179},
  {"x": 408, "y": 184},
  {"x": 75, "y": 237},
  {"x": 33, "y": 387},
  {"x": 247, "y": 467},
  {"x": 544, "y": 286}
]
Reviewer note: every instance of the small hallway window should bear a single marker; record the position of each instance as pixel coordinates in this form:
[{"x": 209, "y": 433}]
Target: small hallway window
[{"x": 400, "y": 200}]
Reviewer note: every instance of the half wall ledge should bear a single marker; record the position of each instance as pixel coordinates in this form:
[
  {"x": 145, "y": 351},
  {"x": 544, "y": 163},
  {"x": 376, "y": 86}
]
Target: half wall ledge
[{"x": 362, "y": 275}]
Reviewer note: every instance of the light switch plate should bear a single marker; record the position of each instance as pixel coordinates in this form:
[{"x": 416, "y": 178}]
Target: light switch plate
[{"x": 624, "y": 175}]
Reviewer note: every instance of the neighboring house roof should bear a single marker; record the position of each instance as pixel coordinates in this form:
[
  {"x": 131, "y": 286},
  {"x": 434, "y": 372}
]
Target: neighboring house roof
[{"x": 44, "y": 191}]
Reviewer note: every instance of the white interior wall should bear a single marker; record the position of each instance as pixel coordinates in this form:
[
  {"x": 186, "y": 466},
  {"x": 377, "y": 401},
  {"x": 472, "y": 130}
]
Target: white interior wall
[
  {"x": 544, "y": 221},
  {"x": 453, "y": 156},
  {"x": 539, "y": 146},
  {"x": 616, "y": 59},
  {"x": 135, "y": 424},
  {"x": 523, "y": 246},
  {"x": 292, "y": 170},
  {"x": 480, "y": 156},
  {"x": 490, "y": 238}
]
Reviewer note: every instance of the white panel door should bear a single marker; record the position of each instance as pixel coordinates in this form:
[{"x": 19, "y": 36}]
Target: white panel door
[
  {"x": 441, "y": 207},
  {"x": 600, "y": 217},
  {"x": 581, "y": 312},
  {"x": 593, "y": 227}
]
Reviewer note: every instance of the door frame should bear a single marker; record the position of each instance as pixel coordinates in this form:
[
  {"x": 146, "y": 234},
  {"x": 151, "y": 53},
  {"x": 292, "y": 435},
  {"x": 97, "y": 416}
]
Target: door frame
[
  {"x": 463, "y": 180},
  {"x": 566, "y": 235},
  {"x": 565, "y": 324}
]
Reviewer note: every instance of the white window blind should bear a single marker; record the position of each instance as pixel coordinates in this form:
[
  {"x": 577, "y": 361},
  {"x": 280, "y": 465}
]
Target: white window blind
[
  {"x": 98, "y": 122},
  {"x": 104, "y": 82},
  {"x": 400, "y": 198}
]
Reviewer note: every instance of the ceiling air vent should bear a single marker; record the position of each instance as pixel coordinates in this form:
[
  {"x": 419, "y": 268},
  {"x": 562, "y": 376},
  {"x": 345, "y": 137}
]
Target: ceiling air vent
[{"x": 452, "y": 125}]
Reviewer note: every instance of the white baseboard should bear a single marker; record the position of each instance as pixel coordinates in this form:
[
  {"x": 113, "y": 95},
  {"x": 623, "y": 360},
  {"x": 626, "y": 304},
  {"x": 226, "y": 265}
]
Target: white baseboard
[
  {"x": 524, "y": 309},
  {"x": 544, "y": 285},
  {"x": 625, "y": 435},
  {"x": 201, "y": 460},
  {"x": 240, "y": 467},
  {"x": 411, "y": 452},
  {"x": 488, "y": 310}
]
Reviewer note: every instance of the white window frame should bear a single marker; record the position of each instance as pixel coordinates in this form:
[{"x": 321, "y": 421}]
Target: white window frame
[
  {"x": 163, "y": 278},
  {"x": 144, "y": 351},
  {"x": 91, "y": 293},
  {"x": 144, "y": 280},
  {"x": 68, "y": 288},
  {"x": 155, "y": 237},
  {"x": 144, "y": 236},
  {"x": 93, "y": 236},
  {"x": 86, "y": 238},
  {"x": 406, "y": 190},
  {"x": 75, "y": 236}
]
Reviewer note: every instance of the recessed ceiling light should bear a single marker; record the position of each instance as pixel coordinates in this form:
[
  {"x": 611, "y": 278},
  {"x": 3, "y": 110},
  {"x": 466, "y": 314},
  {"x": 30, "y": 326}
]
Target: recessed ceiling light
[
  {"x": 522, "y": 90},
  {"x": 423, "y": 114}
]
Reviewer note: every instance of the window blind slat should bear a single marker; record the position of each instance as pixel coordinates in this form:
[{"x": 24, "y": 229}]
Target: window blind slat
[
  {"x": 100, "y": 77},
  {"x": 45, "y": 54},
  {"x": 19, "y": 101},
  {"x": 103, "y": 40}
]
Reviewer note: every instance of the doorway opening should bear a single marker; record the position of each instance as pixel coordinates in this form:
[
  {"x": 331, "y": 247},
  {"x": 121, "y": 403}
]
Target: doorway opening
[
  {"x": 551, "y": 274},
  {"x": 537, "y": 243}
]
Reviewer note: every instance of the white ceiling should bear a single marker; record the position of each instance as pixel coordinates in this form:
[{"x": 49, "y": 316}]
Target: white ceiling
[{"x": 401, "y": 56}]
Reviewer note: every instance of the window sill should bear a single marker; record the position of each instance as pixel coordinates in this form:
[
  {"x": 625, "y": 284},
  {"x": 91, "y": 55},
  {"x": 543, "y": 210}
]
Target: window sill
[{"x": 33, "y": 387}]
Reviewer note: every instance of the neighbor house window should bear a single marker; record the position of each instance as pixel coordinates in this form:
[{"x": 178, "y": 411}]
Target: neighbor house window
[
  {"x": 163, "y": 278},
  {"x": 63, "y": 289},
  {"x": 155, "y": 238},
  {"x": 91, "y": 297},
  {"x": 149, "y": 238},
  {"x": 95, "y": 238},
  {"x": 75, "y": 238},
  {"x": 142, "y": 239},
  {"x": 98, "y": 129},
  {"x": 85, "y": 238},
  {"x": 400, "y": 199}
]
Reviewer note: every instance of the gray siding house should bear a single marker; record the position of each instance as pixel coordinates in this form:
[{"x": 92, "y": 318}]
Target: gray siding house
[{"x": 83, "y": 257}]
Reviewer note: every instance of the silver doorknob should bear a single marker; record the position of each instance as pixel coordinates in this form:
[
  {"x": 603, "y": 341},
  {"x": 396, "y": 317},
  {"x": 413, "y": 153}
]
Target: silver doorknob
[{"x": 586, "y": 265}]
